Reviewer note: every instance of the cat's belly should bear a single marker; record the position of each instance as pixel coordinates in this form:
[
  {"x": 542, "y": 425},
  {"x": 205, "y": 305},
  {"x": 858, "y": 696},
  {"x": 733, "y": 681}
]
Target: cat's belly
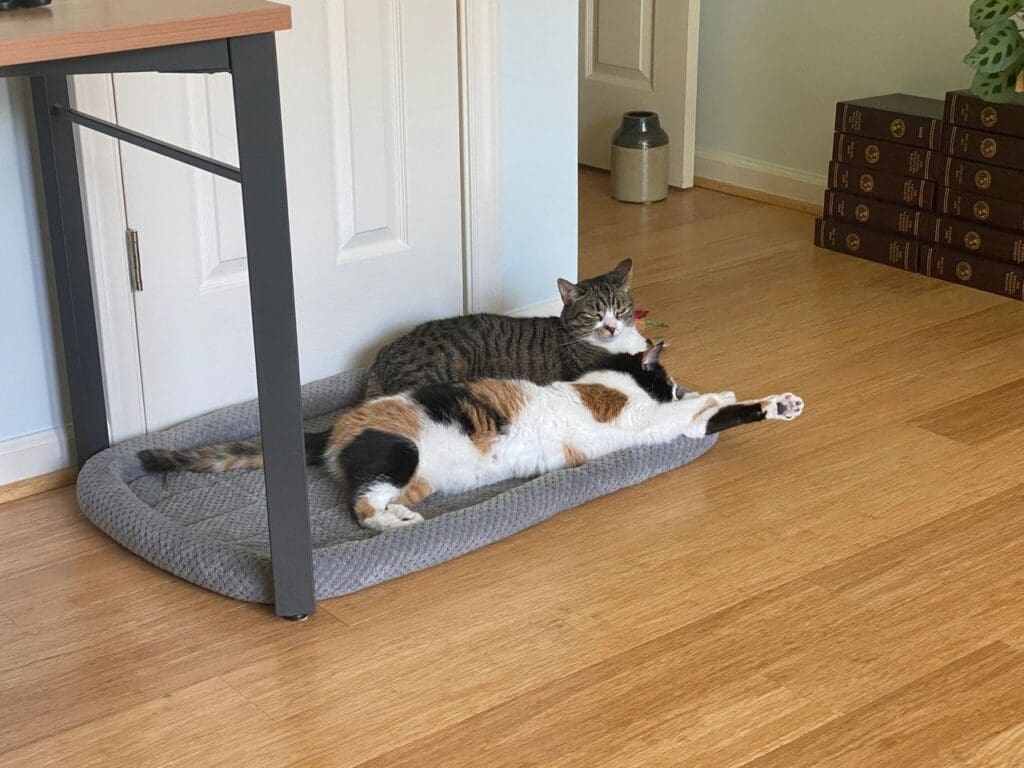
[{"x": 452, "y": 463}]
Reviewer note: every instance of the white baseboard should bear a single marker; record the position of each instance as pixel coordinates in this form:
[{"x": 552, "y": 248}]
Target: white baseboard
[
  {"x": 549, "y": 308},
  {"x": 772, "y": 179},
  {"x": 35, "y": 454}
]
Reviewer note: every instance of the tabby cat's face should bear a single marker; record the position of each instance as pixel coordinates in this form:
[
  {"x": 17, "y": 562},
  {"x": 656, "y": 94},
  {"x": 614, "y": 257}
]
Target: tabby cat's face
[{"x": 601, "y": 307}]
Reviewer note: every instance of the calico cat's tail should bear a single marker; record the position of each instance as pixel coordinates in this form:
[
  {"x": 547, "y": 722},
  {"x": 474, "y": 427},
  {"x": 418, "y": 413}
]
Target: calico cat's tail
[{"x": 245, "y": 454}]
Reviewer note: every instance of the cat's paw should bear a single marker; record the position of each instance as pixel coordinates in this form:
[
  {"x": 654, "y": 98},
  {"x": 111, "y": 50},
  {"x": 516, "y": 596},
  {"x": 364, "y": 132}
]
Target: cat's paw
[
  {"x": 726, "y": 398},
  {"x": 403, "y": 515},
  {"x": 391, "y": 517},
  {"x": 784, "y": 407}
]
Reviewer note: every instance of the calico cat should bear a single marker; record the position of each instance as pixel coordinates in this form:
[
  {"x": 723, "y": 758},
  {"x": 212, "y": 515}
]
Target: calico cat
[
  {"x": 396, "y": 450},
  {"x": 596, "y": 320}
]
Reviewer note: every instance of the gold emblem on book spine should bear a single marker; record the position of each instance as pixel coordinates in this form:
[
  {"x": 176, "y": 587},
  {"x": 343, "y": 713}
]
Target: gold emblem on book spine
[
  {"x": 867, "y": 182},
  {"x": 981, "y": 210},
  {"x": 989, "y": 117},
  {"x": 972, "y": 241},
  {"x": 983, "y": 179},
  {"x": 853, "y": 242},
  {"x": 898, "y": 128},
  {"x": 964, "y": 271},
  {"x": 989, "y": 148},
  {"x": 872, "y": 154},
  {"x": 862, "y": 213}
]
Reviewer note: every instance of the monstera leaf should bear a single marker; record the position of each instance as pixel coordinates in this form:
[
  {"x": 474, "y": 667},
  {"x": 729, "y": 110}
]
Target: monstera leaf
[
  {"x": 998, "y": 47},
  {"x": 987, "y": 13},
  {"x": 999, "y": 87}
]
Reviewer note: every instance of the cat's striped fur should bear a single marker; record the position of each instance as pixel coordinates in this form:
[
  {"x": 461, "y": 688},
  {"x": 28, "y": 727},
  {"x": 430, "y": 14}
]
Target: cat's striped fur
[
  {"x": 597, "y": 320},
  {"x": 393, "y": 451}
]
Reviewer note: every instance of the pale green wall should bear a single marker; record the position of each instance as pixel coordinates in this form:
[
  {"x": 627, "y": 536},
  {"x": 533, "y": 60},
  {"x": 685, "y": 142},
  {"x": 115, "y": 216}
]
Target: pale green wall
[{"x": 771, "y": 71}]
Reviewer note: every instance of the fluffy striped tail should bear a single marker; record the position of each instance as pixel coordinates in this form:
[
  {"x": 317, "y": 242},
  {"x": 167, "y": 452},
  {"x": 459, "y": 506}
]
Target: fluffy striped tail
[{"x": 245, "y": 454}]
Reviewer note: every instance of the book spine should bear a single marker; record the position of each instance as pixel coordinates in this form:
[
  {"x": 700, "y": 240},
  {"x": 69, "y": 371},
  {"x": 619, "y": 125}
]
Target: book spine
[
  {"x": 995, "y": 244},
  {"x": 988, "y": 180},
  {"x": 971, "y": 112},
  {"x": 986, "y": 210},
  {"x": 983, "y": 147},
  {"x": 880, "y": 124},
  {"x": 876, "y": 214},
  {"x": 974, "y": 271},
  {"x": 886, "y": 156},
  {"x": 864, "y": 243},
  {"x": 879, "y": 185}
]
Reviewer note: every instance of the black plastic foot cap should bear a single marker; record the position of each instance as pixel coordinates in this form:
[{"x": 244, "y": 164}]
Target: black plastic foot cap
[{"x": 296, "y": 617}]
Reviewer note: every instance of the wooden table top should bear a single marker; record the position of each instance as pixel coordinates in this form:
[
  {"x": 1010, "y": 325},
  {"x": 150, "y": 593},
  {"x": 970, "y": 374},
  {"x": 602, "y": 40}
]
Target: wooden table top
[{"x": 69, "y": 28}]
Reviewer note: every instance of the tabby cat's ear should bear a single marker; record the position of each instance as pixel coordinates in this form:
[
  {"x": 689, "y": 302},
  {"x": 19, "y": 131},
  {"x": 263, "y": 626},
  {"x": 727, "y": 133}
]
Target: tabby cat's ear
[
  {"x": 570, "y": 291},
  {"x": 650, "y": 358},
  {"x": 623, "y": 273}
]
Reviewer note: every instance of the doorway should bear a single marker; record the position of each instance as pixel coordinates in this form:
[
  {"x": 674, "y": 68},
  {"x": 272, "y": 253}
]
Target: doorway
[{"x": 638, "y": 55}]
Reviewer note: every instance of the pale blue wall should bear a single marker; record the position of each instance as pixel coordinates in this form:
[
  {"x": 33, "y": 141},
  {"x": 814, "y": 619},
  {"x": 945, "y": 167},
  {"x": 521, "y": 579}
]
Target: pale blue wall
[
  {"x": 30, "y": 382},
  {"x": 771, "y": 72},
  {"x": 538, "y": 146}
]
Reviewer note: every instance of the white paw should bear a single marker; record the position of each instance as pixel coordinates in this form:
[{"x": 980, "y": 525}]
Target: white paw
[
  {"x": 393, "y": 516},
  {"x": 404, "y": 514},
  {"x": 785, "y": 407},
  {"x": 726, "y": 398}
]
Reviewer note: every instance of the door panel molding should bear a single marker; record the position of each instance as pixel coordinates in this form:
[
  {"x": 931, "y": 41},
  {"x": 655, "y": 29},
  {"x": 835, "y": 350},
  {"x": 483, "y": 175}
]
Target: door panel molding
[
  {"x": 366, "y": 75},
  {"x": 625, "y": 63},
  {"x": 222, "y": 263}
]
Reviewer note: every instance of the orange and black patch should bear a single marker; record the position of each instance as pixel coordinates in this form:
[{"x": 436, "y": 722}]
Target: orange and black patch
[
  {"x": 481, "y": 410},
  {"x": 506, "y": 398},
  {"x": 391, "y": 415},
  {"x": 604, "y": 403}
]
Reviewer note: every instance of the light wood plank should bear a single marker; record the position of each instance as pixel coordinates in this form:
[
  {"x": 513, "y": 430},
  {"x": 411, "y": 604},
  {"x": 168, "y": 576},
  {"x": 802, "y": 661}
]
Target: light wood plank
[
  {"x": 69, "y": 28},
  {"x": 207, "y": 724},
  {"x": 977, "y": 418},
  {"x": 958, "y": 715}
]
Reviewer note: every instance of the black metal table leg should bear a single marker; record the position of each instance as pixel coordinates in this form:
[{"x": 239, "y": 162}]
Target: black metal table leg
[
  {"x": 265, "y": 205},
  {"x": 70, "y": 265}
]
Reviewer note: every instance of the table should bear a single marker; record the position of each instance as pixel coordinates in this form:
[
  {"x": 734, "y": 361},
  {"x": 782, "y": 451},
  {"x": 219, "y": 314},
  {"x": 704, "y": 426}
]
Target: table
[{"x": 73, "y": 37}]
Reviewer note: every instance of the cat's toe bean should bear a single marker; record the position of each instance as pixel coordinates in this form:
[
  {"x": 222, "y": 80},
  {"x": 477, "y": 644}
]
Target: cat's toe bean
[{"x": 786, "y": 407}]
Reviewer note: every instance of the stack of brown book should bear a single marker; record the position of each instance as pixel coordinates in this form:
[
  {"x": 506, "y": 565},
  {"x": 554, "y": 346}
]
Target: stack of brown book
[
  {"x": 979, "y": 233},
  {"x": 882, "y": 179}
]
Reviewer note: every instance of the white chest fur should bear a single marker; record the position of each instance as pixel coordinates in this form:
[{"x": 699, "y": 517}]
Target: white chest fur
[{"x": 630, "y": 341}]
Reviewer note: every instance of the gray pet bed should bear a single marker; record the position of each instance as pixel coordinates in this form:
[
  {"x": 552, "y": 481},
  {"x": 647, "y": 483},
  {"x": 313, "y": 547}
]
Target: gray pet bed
[{"x": 211, "y": 530}]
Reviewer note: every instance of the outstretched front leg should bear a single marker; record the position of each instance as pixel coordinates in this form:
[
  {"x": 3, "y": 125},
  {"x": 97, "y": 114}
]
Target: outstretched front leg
[{"x": 774, "y": 407}]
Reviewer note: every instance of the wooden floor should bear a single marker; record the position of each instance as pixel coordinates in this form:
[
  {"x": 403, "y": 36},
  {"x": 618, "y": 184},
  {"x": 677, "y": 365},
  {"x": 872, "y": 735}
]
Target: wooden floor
[{"x": 845, "y": 590}]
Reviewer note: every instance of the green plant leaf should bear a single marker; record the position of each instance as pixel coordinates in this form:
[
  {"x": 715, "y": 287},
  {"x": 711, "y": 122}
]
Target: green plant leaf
[
  {"x": 999, "y": 87},
  {"x": 986, "y": 13},
  {"x": 996, "y": 49}
]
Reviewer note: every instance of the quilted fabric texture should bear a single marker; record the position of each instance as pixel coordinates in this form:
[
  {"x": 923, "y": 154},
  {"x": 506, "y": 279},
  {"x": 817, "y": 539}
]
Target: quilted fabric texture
[{"x": 211, "y": 530}]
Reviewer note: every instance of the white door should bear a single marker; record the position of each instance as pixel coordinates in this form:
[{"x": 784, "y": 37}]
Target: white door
[
  {"x": 370, "y": 107},
  {"x": 639, "y": 55}
]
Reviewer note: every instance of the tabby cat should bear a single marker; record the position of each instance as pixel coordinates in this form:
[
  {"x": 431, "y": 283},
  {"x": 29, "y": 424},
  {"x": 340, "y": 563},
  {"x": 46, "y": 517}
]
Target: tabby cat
[
  {"x": 596, "y": 320},
  {"x": 396, "y": 450}
]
